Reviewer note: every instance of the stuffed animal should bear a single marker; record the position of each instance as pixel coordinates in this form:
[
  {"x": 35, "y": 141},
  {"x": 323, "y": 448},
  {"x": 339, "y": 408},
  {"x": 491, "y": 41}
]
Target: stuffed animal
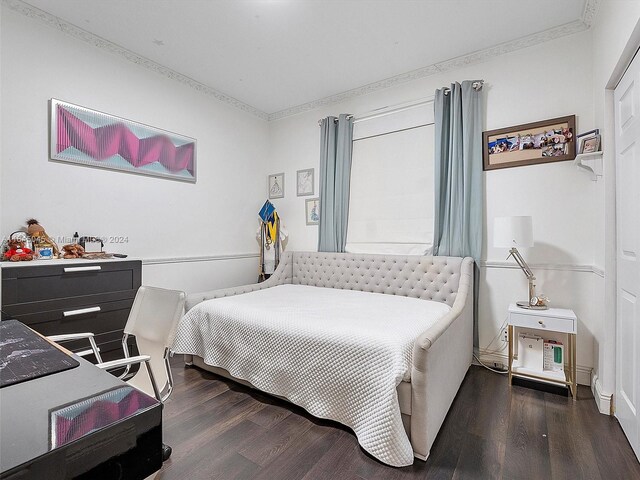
[
  {"x": 18, "y": 252},
  {"x": 39, "y": 237},
  {"x": 73, "y": 250}
]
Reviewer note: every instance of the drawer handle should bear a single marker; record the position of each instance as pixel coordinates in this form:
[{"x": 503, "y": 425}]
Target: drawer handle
[
  {"x": 92, "y": 268},
  {"x": 541, "y": 322},
  {"x": 80, "y": 311}
]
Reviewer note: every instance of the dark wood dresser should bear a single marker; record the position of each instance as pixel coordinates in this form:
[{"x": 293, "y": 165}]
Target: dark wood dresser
[{"x": 69, "y": 296}]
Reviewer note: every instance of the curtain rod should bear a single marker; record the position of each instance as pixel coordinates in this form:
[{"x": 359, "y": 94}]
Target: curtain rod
[
  {"x": 389, "y": 109},
  {"x": 477, "y": 85}
]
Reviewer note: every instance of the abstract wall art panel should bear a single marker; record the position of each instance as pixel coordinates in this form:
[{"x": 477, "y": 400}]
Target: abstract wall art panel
[{"x": 88, "y": 137}]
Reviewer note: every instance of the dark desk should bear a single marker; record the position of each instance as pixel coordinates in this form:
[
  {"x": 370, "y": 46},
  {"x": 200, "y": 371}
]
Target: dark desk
[{"x": 119, "y": 436}]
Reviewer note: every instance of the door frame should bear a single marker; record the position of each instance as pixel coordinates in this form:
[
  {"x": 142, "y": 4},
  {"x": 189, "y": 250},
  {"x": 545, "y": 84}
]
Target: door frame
[{"x": 609, "y": 360}]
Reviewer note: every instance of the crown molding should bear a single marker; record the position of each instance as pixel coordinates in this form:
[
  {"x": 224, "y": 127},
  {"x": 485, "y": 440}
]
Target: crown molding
[
  {"x": 32, "y": 12},
  {"x": 588, "y": 17},
  {"x": 590, "y": 12},
  {"x": 480, "y": 56}
]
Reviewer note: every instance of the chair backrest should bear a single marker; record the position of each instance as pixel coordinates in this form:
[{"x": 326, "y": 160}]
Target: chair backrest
[{"x": 153, "y": 321}]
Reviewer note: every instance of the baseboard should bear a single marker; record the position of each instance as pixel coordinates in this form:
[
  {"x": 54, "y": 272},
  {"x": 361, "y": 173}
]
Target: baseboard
[
  {"x": 602, "y": 398},
  {"x": 493, "y": 359},
  {"x": 489, "y": 357}
]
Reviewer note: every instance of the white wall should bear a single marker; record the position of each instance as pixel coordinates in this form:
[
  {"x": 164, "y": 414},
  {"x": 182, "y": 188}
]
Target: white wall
[
  {"x": 613, "y": 47},
  {"x": 521, "y": 87},
  {"x": 161, "y": 218}
]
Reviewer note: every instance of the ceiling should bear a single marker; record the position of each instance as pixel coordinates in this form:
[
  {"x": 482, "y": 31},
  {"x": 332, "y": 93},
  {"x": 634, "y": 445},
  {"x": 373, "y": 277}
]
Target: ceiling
[{"x": 277, "y": 54}]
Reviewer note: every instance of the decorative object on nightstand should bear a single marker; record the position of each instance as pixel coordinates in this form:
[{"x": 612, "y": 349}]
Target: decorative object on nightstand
[
  {"x": 548, "y": 364},
  {"x": 512, "y": 232}
]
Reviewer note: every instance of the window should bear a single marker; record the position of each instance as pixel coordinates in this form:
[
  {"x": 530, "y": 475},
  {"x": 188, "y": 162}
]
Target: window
[{"x": 391, "y": 196}]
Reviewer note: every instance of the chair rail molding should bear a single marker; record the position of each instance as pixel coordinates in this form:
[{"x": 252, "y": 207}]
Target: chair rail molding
[
  {"x": 205, "y": 258},
  {"x": 568, "y": 267}
]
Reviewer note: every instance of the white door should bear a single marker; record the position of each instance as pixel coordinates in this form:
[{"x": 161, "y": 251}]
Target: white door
[{"x": 627, "y": 135}]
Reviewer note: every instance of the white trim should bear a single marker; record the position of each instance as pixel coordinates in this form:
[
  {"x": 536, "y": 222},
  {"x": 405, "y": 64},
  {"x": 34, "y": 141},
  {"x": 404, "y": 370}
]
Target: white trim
[
  {"x": 78, "y": 33},
  {"x": 546, "y": 266},
  {"x": 484, "y": 264},
  {"x": 590, "y": 11},
  {"x": 489, "y": 357},
  {"x": 577, "y": 26},
  {"x": 585, "y": 22},
  {"x": 207, "y": 258},
  {"x": 603, "y": 399}
]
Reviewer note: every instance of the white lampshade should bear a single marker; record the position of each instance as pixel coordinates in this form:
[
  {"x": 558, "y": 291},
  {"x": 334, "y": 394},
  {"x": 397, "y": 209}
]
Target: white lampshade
[{"x": 511, "y": 232}]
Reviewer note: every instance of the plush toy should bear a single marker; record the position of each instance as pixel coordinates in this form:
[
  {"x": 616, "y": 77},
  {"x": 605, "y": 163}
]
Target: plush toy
[
  {"x": 73, "y": 250},
  {"x": 39, "y": 236},
  {"x": 18, "y": 252}
]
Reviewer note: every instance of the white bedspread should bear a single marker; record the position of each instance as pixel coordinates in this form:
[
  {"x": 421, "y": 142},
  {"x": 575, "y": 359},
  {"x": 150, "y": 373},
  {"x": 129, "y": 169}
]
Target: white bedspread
[{"x": 340, "y": 354}]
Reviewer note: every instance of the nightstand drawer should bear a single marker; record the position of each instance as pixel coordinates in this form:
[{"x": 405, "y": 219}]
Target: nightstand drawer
[{"x": 541, "y": 322}]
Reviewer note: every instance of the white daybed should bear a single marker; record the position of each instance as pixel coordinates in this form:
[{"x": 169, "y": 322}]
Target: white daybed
[{"x": 437, "y": 360}]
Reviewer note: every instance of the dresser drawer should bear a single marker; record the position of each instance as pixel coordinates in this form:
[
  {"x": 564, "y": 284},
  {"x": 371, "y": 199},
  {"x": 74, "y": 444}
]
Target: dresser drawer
[
  {"x": 67, "y": 303},
  {"x": 97, "y": 318},
  {"x": 40, "y": 283},
  {"x": 541, "y": 322}
]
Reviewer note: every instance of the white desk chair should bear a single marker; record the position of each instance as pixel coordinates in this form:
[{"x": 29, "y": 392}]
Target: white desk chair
[{"x": 153, "y": 321}]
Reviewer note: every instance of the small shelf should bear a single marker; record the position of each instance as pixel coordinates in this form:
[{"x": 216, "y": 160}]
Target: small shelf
[
  {"x": 541, "y": 375},
  {"x": 590, "y": 163}
]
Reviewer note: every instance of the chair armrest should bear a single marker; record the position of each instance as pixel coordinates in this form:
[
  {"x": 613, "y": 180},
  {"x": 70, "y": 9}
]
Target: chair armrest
[
  {"x": 79, "y": 336},
  {"x": 123, "y": 362},
  {"x": 69, "y": 336}
]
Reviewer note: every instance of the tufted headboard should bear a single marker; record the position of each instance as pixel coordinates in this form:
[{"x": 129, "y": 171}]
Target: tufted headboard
[{"x": 429, "y": 278}]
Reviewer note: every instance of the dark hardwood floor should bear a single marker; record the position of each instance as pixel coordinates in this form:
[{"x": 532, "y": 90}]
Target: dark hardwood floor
[{"x": 221, "y": 430}]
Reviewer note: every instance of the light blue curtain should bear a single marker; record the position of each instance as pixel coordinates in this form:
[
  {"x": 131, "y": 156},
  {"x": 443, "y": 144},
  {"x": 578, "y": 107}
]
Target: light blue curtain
[
  {"x": 458, "y": 171},
  {"x": 335, "y": 174}
]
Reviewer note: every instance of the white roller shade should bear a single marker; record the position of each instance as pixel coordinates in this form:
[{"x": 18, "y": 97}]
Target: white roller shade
[{"x": 391, "y": 199}]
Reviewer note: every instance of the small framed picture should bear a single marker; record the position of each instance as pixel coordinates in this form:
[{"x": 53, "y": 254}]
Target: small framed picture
[
  {"x": 590, "y": 144},
  {"x": 581, "y": 137},
  {"x": 312, "y": 210},
  {"x": 304, "y": 182},
  {"x": 276, "y": 185}
]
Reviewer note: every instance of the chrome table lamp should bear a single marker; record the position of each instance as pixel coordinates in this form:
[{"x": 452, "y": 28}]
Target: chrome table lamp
[{"x": 512, "y": 232}]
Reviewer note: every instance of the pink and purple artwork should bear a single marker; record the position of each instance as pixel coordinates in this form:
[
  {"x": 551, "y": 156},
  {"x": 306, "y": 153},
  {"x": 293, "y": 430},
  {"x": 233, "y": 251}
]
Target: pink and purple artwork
[{"x": 88, "y": 137}]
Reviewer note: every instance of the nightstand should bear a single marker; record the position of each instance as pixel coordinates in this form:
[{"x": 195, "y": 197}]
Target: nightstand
[{"x": 539, "y": 322}]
